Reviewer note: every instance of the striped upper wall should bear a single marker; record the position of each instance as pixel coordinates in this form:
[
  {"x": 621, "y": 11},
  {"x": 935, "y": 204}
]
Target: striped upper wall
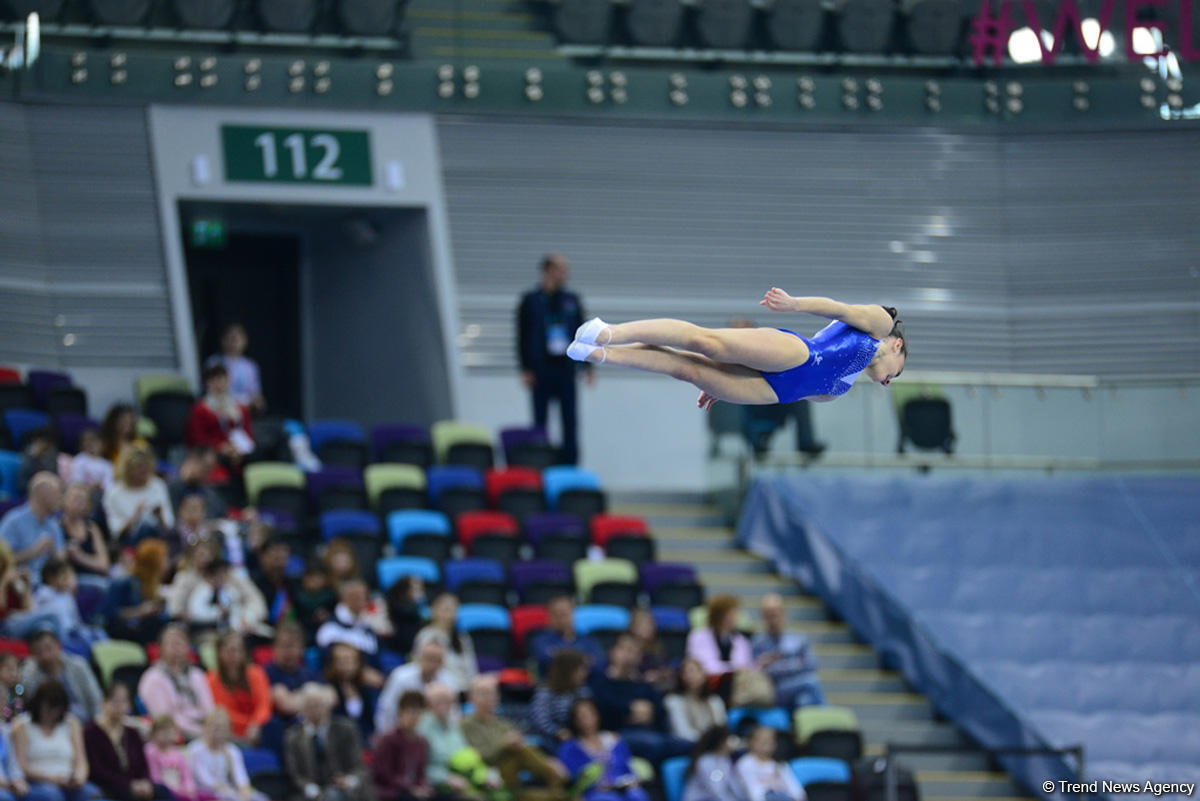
[
  {"x": 80, "y": 251},
  {"x": 1072, "y": 253}
]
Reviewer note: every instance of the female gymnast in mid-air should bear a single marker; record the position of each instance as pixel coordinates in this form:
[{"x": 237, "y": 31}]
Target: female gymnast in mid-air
[{"x": 757, "y": 365}]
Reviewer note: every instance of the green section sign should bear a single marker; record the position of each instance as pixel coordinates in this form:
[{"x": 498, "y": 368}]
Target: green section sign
[
  {"x": 296, "y": 155},
  {"x": 208, "y": 233}
]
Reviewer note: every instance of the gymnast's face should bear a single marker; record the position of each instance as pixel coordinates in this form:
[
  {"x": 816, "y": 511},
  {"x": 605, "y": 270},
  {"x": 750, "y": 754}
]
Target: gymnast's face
[{"x": 888, "y": 362}]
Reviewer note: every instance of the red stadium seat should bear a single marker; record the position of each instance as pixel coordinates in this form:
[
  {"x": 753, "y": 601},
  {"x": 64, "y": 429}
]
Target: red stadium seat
[
  {"x": 605, "y": 526},
  {"x": 16, "y": 647},
  {"x": 10, "y": 375},
  {"x": 497, "y": 482},
  {"x": 527, "y": 619},
  {"x": 475, "y": 524}
]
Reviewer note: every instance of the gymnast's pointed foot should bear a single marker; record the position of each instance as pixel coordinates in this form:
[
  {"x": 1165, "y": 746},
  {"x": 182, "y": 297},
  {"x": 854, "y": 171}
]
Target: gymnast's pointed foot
[
  {"x": 585, "y": 352},
  {"x": 590, "y": 332}
]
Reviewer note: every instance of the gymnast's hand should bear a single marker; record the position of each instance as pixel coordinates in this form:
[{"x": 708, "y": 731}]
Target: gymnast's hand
[
  {"x": 777, "y": 300},
  {"x": 706, "y": 401}
]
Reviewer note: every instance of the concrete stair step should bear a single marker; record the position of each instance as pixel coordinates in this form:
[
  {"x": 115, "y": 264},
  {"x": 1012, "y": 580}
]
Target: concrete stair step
[
  {"x": 974, "y": 761},
  {"x": 888, "y": 705},
  {"x": 665, "y": 508},
  {"x": 878, "y": 731},
  {"x": 845, "y": 661},
  {"x": 867, "y": 680},
  {"x": 966, "y": 784}
]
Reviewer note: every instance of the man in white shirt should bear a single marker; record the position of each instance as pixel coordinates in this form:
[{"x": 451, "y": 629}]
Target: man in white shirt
[{"x": 426, "y": 668}]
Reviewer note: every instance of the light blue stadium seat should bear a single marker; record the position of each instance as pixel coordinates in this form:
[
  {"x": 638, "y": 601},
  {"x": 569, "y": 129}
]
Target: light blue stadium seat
[
  {"x": 820, "y": 769},
  {"x": 402, "y": 523},
  {"x": 774, "y": 717},
  {"x": 483, "y": 616},
  {"x": 557, "y": 480},
  {"x": 592, "y": 617},
  {"x": 671, "y": 618},
  {"x": 10, "y": 469},
  {"x": 394, "y": 568},
  {"x": 671, "y": 774}
]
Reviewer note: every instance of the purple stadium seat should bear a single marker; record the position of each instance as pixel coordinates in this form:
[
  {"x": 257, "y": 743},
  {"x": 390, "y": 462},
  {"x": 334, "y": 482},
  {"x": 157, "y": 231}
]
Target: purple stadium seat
[
  {"x": 70, "y": 427},
  {"x": 520, "y": 436},
  {"x": 42, "y": 381},
  {"x": 523, "y": 574},
  {"x": 655, "y": 575},
  {"x": 385, "y": 435},
  {"x": 542, "y": 525}
]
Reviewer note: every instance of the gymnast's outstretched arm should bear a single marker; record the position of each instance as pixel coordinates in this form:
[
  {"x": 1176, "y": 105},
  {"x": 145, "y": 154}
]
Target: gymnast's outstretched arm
[{"x": 869, "y": 318}]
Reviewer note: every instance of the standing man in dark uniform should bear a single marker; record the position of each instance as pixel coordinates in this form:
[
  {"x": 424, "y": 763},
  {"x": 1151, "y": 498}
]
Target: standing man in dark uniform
[{"x": 546, "y": 323}]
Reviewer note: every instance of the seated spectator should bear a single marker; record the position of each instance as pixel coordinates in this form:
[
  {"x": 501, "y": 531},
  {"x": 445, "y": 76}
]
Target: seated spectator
[
  {"x": 167, "y": 762},
  {"x": 227, "y": 600},
  {"x": 218, "y": 421},
  {"x": 12, "y": 692},
  {"x": 18, "y": 618},
  {"x": 116, "y": 754},
  {"x": 270, "y": 577},
  {"x": 89, "y": 467},
  {"x": 56, "y": 596},
  {"x": 189, "y": 574},
  {"x": 599, "y": 761},
  {"x": 719, "y": 647},
  {"x": 287, "y": 671},
  {"x": 427, "y": 667},
  {"x": 787, "y": 658},
  {"x": 217, "y": 765},
  {"x": 12, "y": 783},
  {"x": 198, "y": 474},
  {"x": 631, "y": 706},
  {"x": 48, "y": 745},
  {"x": 693, "y": 709},
  {"x": 32, "y": 529},
  {"x": 314, "y": 599},
  {"x": 323, "y": 755},
  {"x": 443, "y": 627},
  {"x": 241, "y": 688},
  {"x": 86, "y": 548},
  {"x": 560, "y": 634},
  {"x": 656, "y": 665},
  {"x": 48, "y": 662},
  {"x": 565, "y": 683},
  {"x": 174, "y": 687},
  {"x": 244, "y": 383},
  {"x": 40, "y": 455},
  {"x": 441, "y": 726},
  {"x": 191, "y": 524},
  {"x": 502, "y": 746},
  {"x": 134, "y": 608},
  {"x": 136, "y": 504},
  {"x": 763, "y": 777},
  {"x": 710, "y": 775},
  {"x": 354, "y": 622},
  {"x": 406, "y": 609},
  {"x": 356, "y": 697},
  {"x": 401, "y": 755},
  {"x": 118, "y": 432},
  {"x": 340, "y": 562}
]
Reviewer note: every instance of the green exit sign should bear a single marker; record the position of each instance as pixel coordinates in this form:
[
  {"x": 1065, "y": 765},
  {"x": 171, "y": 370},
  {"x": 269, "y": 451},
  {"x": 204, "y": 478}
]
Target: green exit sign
[
  {"x": 208, "y": 233},
  {"x": 296, "y": 155}
]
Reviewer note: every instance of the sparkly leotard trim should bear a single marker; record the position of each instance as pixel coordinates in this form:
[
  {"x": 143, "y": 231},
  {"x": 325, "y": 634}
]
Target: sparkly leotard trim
[{"x": 836, "y": 355}]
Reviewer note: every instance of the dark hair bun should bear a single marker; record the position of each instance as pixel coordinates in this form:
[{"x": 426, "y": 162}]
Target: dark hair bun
[{"x": 891, "y": 310}]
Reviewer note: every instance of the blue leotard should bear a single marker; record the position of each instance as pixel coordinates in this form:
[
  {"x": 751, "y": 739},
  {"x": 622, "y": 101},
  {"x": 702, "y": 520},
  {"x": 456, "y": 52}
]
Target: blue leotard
[{"x": 836, "y": 355}]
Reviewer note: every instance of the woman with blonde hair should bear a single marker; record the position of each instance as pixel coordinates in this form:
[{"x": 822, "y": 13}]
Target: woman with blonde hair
[
  {"x": 134, "y": 608},
  {"x": 137, "y": 503}
]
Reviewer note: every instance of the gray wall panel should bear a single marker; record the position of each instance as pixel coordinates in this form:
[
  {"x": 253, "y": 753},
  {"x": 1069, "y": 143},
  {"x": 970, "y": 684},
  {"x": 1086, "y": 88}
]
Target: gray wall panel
[{"x": 1013, "y": 253}]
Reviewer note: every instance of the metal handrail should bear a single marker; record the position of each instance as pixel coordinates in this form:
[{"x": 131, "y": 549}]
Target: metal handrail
[{"x": 891, "y": 749}]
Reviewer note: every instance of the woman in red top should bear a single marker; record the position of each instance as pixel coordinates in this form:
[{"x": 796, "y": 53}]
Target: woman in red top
[
  {"x": 218, "y": 421},
  {"x": 241, "y": 688}
]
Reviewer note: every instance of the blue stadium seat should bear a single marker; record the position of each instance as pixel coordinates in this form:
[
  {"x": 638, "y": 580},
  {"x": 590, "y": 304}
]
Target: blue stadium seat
[
  {"x": 20, "y": 422},
  {"x": 671, "y": 773},
  {"x": 592, "y": 617},
  {"x": 415, "y": 521},
  {"x": 820, "y": 769},
  {"x": 442, "y": 478},
  {"x": 483, "y": 616},
  {"x": 557, "y": 480},
  {"x": 774, "y": 717},
  {"x": 341, "y": 522},
  {"x": 322, "y": 431},
  {"x": 460, "y": 571},
  {"x": 394, "y": 568},
  {"x": 259, "y": 760},
  {"x": 671, "y": 618},
  {"x": 10, "y": 469}
]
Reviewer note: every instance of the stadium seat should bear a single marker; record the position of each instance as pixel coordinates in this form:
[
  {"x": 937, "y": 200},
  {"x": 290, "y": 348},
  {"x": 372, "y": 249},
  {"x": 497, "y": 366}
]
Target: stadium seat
[
  {"x": 456, "y": 489},
  {"x": 589, "y": 573},
  {"x": 10, "y": 471},
  {"x": 483, "y": 616},
  {"x": 472, "y": 525},
  {"x": 459, "y": 443},
  {"x": 129, "y": 675},
  {"x": 476, "y": 581},
  {"x": 394, "y": 486},
  {"x": 260, "y": 760},
  {"x": 490, "y": 630},
  {"x": 774, "y": 717},
  {"x": 66, "y": 400},
  {"x": 528, "y": 447},
  {"x": 671, "y": 774},
  {"x": 402, "y": 443},
  {"x": 810, "y": 770},
  {"x": 394, "y": 568},
  {"x": 516, "y": 490},
  {"x": 272, "y": 783},
  {"x": 591, "y": 618},
  {"x": 70, "y": 428},
  {"x": 828, "y": 731},
  {"x": 270, "y": 474},
  {"x": 698, "y": 616},
  {"x": 604, "y": 526},
  {"x": 560, "y": 479},
  {"x": 9, "y": 375},
  {"x": 111, "y": 654},
  {"x": 169, "y": 410},
  {"x": 526, "y": 620},
  {"x": 42, "y": 381},
  {"x": 16, "y": 396},
  {"x": 539, "y": 526},
  {"x": 147, "y": 385},
  {"x": 336, "y": 487},
  {"x": 407, "y": 522},
  {"x": 348, "y": 522},
  {"x": 537, "y": 581},
  {"x": 669, "y": 618},
  {"x": 18, "y": 648},
  {"x": 638, "y": 549},
  {"x": 562, "y": 548},
  {"x": 656, "y": 575},
  {"x": 22, "y": 422},
  {"x": 338, "y": 442}
]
